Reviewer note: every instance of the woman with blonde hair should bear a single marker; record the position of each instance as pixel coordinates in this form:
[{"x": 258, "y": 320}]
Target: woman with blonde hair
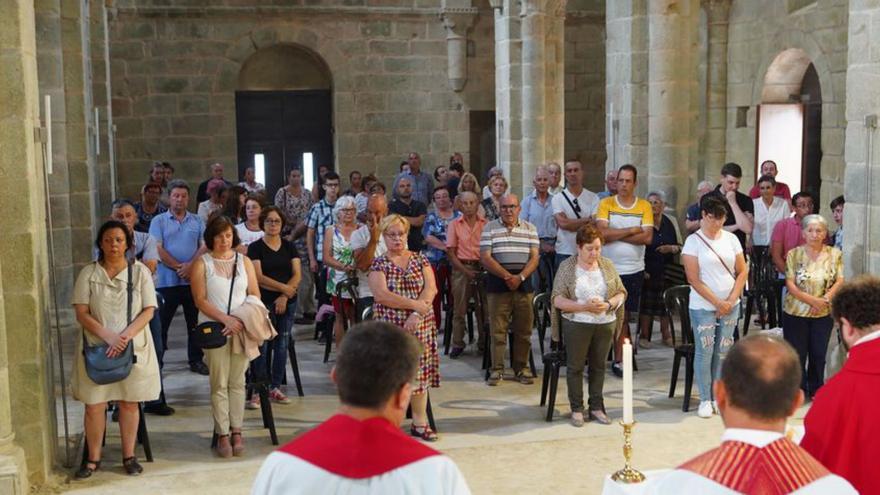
[
  {"x": 491, "y": 205},
  {"x": 403, "y": 289},
  {"x": 468, "y": 182}
]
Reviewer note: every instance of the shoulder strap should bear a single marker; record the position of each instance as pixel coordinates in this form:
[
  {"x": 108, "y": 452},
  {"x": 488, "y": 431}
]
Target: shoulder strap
[
  {"x": 232, "y": 283},
  {"x": 129, "y": 290},
  {"x": 729, "y": 271},
  {"x": 567, "y": 200}
]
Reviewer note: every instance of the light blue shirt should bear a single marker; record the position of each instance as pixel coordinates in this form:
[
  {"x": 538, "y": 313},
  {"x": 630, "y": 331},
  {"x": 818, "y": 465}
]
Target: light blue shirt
[
  {"x": 180, "y": 239},
  {"x": 541, "y": 216}
]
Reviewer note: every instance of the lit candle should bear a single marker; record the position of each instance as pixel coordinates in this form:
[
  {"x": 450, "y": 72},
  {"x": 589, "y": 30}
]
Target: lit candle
[{"x": 627, "y": 382}]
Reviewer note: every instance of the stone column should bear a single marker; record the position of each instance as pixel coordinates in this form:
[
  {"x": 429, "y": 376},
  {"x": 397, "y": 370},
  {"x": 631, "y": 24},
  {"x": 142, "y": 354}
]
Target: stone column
[
  {"x": 28, "y": 430},
  {"x": 457, "y": 21},
  {"x": 554, "y": 86},
  {"x": 861, "y": 249},
  {"x": 534, "y": 20},
  {"x": 671, "y": 34},
  {"x": 508, "y": 83},
  {"x": 718, "y": 13}
]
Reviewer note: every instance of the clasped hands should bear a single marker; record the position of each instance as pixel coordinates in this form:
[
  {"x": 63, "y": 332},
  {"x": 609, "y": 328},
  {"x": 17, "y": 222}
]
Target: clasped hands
[
  {"x": 512, "y": 281},
  {"x": 596, "y": 305},
  {"x": 116, "y": 343},
  {"x": 420, "y": 309}
]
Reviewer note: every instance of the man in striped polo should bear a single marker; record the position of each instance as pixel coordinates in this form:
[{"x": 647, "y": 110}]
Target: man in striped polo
[{"x": 509, "y": 252}]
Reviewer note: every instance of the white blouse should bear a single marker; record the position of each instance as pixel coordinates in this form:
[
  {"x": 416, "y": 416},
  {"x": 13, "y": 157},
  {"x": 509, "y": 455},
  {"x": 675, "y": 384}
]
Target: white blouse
[{"x": 590, "y": 284}]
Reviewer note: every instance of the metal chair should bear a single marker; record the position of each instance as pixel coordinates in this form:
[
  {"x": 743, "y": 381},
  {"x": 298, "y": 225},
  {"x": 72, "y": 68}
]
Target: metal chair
[
  {"x": 553, "y": 360},
  {"x": 541, "y": 305},
  {"x": 761, "y": 294},
  {"x": 676, "y": 301}
]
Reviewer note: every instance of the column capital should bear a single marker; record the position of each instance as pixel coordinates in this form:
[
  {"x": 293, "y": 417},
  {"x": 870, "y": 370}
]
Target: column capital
[
  {"x": 458, "y": 20},
  {"x": 716, "y": 10}
]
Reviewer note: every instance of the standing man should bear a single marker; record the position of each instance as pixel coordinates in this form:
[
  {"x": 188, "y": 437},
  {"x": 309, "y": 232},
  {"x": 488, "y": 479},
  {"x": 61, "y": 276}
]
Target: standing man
[
  {"x": 405, "y": 204},
  {"x": 837, "y": 205},
  {"x": 422, "y": 183},
  {"x": 693, "y": 216},
  {"x": 179, "y": 239},
  {"x": 320, "y": 217},
  {"x": 740, "y": 209},
  {"x": 463, "y": 250},
  {"x": 555, "y": 178},
  {"x": 216, "y": 173},
  {"x": 572, "y": 207},
  {"x": 509, "y": 252},
  {"x": 610, "y": 185},
  {"x": 627, "y": 223},
  {"x": 368, "y": 244},
  {"x": 768, "y": 167},
  {"x": 537, "y": 209}
]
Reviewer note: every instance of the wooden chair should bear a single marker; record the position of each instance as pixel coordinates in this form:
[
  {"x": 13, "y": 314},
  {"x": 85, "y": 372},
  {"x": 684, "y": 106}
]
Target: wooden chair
[{"x": 676, "y": 301}]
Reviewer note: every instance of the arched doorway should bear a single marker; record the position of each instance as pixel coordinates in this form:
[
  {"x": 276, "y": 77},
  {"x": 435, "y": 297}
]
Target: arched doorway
[
  {"x": 284, "y": 117},
  {"x": 790, "y": 121}
]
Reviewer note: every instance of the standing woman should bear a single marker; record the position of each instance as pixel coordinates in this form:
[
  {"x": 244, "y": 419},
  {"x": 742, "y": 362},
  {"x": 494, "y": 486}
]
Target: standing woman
[
  {"x": 249, "y": 230},
  {"x": 211, "y": 282},
  {"x": 295, "y": 202},
  {"x": 233, "y": 207},
  {"x": 100, "y": 300},
  {"x": 403, "y": 290},
  {"x": 813, "y": 273},
  {"x": 589, "y": 293},
  {"x": 278, "y": 273},
  {"x": 664, "y": 246},
  {"x": 339, "y": 257},
  {"x": 716, "y": 271},
  {"x": 497, "y": 187}
]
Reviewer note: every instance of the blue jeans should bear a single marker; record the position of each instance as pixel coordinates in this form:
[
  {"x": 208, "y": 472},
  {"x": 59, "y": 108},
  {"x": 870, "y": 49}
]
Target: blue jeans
[
  {"x": 713, "y": 337},
  {"x": 558, "y": 259},
  {"x": 278, "y": 365}
]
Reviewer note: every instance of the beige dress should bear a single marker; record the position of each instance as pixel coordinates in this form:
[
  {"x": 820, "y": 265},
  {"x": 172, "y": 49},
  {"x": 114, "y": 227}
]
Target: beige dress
[{"x": 107, "y": 300}]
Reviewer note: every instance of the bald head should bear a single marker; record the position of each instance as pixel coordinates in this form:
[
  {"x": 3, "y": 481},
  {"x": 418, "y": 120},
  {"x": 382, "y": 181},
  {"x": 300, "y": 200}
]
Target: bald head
[{"x": 762, "y": 377}]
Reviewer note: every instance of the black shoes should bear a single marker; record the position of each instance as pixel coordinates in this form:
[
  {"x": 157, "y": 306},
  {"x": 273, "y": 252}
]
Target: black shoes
[
  {"x": 199, "y": 367},
  {"x": 456, "y": 352},
  {"x": 85, "y": 471},
  {"x": 132, "y": 467}
]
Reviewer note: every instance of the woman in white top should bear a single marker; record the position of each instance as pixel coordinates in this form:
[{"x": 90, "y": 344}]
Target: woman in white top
[
  {"x": 249, "y": 231},
  {"x": 100, "y": 300},
  {"x": 212, "y": 275},
  {"x": 717, "y": 272},
  {"x": 589, "y": 292},
  {"x": 769, "y": 210},
  {"x": 339, "y": 257}
]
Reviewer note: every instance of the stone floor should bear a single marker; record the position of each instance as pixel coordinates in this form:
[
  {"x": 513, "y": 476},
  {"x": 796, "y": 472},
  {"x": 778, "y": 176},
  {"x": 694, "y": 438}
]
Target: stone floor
[{"x": 497, "y": 436}]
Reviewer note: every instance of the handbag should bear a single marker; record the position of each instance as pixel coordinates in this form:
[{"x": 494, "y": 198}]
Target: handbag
[
  {"x": 102, "y": 369},
  {"x": 209, "y": 334}
]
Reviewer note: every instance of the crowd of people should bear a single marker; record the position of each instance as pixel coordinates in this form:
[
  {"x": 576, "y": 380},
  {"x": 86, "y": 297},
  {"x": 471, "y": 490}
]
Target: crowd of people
[{"x": 255, "y": 265}]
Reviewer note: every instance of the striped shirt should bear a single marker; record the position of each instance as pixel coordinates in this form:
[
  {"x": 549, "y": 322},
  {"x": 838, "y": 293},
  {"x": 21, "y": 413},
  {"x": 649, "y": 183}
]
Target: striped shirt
[{"x": 511, "y": 248}]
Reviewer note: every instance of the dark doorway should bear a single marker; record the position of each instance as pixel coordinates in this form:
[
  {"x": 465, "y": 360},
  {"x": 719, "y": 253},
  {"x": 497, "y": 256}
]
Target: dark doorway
[
  {"x": 482, "y": 143},
  {"x": 284, "y": 130},
  {"x": 811, "y": 97}
]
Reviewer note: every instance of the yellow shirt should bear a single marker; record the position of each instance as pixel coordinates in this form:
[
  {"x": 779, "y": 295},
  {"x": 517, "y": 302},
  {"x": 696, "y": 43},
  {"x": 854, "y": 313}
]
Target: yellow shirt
[
  {"x": 814, "y": 277},
  {"x": 628, "y": 258}
]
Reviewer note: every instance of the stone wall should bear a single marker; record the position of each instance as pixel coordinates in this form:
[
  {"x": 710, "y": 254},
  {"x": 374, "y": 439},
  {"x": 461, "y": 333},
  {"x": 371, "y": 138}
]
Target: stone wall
[{"x": 758, "y": 32}]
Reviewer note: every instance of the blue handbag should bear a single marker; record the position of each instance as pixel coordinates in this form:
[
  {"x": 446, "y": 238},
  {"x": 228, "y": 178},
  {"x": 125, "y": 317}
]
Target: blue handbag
[{"x": 104, "y": 370}]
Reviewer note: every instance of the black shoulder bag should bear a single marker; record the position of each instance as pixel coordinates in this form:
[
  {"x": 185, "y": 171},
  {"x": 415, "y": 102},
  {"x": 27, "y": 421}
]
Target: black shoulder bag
[
  {"x": 209, "y": 334},
  {"x": 104, "y": 370}
]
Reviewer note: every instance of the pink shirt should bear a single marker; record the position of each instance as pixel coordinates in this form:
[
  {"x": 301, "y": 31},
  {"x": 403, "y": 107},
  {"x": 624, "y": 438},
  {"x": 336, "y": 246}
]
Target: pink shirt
[
  {"x": 789, "y": 233},
  {"x": 464, "y": 238},
  {"x": 782, "y": 191}
]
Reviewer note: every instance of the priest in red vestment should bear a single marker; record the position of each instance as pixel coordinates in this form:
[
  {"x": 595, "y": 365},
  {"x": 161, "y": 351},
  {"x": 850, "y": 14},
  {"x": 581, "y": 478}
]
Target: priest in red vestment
[
  {"x": 758, "y": 390},
  {"x": 843, "y": 424},
  {"x": 361, "y": 449}
]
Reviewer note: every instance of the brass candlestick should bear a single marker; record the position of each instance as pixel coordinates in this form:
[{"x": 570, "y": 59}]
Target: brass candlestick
[{"x": 627, "y": 474}]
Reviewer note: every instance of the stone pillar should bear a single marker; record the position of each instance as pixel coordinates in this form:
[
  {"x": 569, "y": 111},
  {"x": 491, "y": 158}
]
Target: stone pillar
[
  {"x": 554, "y": 86},
  {"x": 457, "y": 21},
  {"x": 671, "y": 34},
  {"x": 27, "y": 431},
  {"x": 508, "y": 82},
  {"x": 718, "y": 13},
  {"x": 861, "y": 249},
  {"x": 534, "y": 20}
]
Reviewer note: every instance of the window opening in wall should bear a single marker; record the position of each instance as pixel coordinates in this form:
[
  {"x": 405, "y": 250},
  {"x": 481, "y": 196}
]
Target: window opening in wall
[
  {"x": 308, "y": 168},
  {"x": 260, "y": 168}
]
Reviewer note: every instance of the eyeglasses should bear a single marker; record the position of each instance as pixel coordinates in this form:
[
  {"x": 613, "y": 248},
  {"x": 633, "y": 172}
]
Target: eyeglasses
[{"x": 348, "y": 210}]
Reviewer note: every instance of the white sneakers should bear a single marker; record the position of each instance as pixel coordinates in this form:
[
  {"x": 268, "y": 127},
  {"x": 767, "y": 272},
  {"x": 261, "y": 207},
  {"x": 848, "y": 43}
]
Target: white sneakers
[{"x": 706, "y": 409}]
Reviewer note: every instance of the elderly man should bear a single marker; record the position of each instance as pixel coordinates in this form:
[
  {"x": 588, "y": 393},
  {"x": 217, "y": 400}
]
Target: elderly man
[
  {"x": 537, "y": 209},
  {"x": 179, "y": 240},
  {"x": 610, "y": 185},
  {"x": 758, "y": 390},
  {"x": 693, "y": 216},
  {"x": 463, "y": 250},
  {"x": 415, "y": 211},
  {"x": 572, "y": 207},
  {"x": 422, "y": 183},
  {"x": 555, "y": 177},
  {"x": 768, "y": 167},
  {"x": 509, "y": 252},
  {"x": 216, "y": 173},
  {"x": 842, "y": 431},
  {"x": 368, "y": 244},
  {"x": 361, "y": 450},
  {"x": 740, "y": 209}
]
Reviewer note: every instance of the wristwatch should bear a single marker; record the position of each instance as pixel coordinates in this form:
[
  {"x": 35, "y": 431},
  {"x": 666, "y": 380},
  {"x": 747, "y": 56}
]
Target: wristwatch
[{"x": 522, "y": 278}]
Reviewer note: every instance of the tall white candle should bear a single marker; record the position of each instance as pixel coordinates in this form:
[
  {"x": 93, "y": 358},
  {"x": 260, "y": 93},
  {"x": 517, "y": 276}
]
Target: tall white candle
[{"x": 627, "y": 382}]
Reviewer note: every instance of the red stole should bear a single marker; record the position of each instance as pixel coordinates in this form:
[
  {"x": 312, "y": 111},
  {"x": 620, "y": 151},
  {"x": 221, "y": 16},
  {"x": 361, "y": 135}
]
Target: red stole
[
  {"x": 777, "y": 468},
  {"x": 357, "y": 449}
]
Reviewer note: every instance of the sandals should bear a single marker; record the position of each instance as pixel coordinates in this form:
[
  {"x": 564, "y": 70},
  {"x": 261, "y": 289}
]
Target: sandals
[
  {"x": 423, "y": 432},
  {"x": 132, "y": 466},
  {"x": 85, "y": 471},
  {"x": 224, "y": 451},
  {"x": 237, "y": 447}
]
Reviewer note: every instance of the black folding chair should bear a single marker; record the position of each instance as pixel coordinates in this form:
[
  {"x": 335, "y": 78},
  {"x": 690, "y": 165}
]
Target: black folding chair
[
  {"x": 553, "y": 360},
  {"x": 429, "y": 411},
  {"x": 258, "y": 384},
  {"x": 344, "y": 288},
  {"x": 541, "y": 306},
  {"x": 676, "y": 301},
  {"x": 143, "y": 436}
]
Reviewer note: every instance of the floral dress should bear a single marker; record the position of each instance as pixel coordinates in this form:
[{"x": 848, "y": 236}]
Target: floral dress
[
  {"x": 343, "y": 253},
  {"x": 296, "y": 209},
  {"x": 409, "y": 283}
]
